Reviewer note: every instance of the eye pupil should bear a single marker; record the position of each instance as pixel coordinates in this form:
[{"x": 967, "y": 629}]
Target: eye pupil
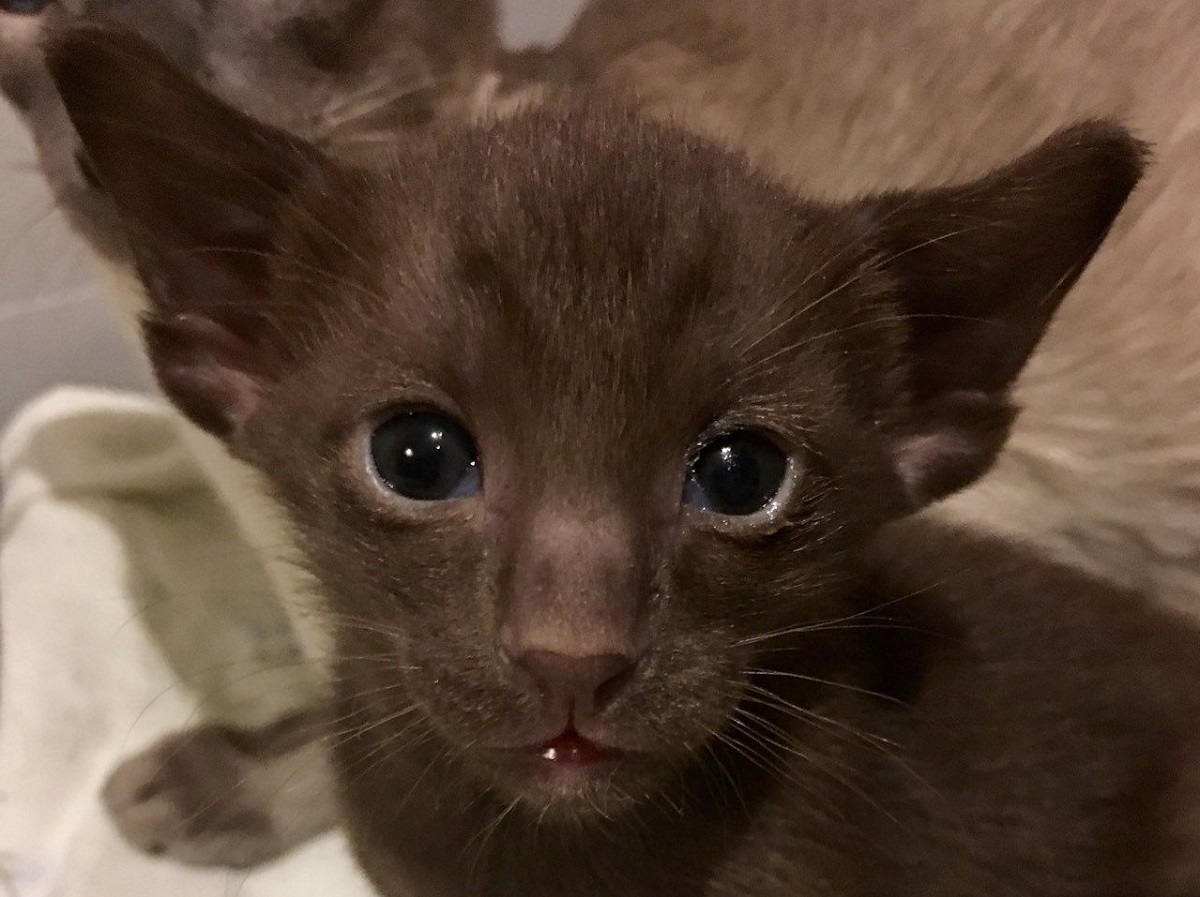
[
  {"x": 736, "y": 475},
  {"x": 425, "y": 456}
]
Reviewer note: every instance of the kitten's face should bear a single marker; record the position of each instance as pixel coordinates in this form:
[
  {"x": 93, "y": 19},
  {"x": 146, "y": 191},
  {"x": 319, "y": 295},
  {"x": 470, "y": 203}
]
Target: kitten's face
[
  {"x": 579, "y": 420},
  {"x": 346, "y": 74},
  {"x": 656, "y": 390}
]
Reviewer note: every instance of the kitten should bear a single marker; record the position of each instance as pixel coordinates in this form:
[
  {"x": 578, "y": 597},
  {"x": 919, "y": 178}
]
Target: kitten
[
  {"x": 606, "y": 451},
  {"x": 845, "y": 96}
]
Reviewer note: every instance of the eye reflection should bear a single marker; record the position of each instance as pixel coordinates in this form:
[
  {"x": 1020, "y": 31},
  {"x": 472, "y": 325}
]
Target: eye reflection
[
  {"x": 736, "y": 474},
  {"x": 425, "y": 456}
]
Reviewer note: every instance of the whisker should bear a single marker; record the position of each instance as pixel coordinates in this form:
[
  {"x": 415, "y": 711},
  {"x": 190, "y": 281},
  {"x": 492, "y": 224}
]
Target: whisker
[
  {"x": 817, "y": 626},
  {"x": 831, "y": 683}
]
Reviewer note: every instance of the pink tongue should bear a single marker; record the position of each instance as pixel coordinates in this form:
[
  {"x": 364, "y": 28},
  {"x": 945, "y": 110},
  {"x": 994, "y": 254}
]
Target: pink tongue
[{"x": 571, "y": 747}]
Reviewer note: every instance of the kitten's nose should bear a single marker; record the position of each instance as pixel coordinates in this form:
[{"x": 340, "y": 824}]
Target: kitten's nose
[{"x": 582, "y": 684}]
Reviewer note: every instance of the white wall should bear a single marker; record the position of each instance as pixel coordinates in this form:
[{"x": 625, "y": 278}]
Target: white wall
[
  {"x": 536, "y": 21},
  {"x": 54, "y": 327}
]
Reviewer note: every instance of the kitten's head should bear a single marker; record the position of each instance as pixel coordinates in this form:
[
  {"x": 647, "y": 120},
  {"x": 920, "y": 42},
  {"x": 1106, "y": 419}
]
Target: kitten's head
[
  {"x": 345, "y": 74},
  {"x": 580, "y": 420}
]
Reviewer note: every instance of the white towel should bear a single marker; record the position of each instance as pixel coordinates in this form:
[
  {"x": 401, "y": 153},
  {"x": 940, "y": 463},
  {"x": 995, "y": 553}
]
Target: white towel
[{"x": 130, "y": 609}]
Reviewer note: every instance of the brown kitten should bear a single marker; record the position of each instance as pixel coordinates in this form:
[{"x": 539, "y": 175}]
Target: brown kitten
[
  {"x": 604, "y": 449},
  {"x": 841, "y": 95}
]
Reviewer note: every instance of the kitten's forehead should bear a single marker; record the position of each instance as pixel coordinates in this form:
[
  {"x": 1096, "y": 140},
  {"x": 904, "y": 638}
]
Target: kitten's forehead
[
  {"x": 596, "y": 217},
  {"x": 593, "y": 270}
]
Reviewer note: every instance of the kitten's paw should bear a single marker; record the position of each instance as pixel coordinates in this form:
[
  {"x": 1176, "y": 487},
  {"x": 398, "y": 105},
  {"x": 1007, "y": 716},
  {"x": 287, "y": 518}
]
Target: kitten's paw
[
  {"x": 216, "y": 796},
  {"x": 187, "y": 798}
]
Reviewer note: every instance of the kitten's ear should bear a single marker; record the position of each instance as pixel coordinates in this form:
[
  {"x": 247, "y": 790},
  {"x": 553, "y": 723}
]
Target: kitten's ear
[
  {"x": 200, "y": 188},
  {"x": 981, "y": 269}
]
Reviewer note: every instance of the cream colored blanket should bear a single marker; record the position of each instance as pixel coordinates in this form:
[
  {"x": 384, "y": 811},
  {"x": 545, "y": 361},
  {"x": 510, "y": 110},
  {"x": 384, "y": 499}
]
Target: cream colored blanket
[{"x": 131, "y": 607}]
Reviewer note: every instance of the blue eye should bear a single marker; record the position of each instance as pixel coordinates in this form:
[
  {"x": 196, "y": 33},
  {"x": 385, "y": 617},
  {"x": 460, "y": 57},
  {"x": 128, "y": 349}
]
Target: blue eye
[
  {"x": 425, "y": 456},
  {"x": 736, "y": 475}
]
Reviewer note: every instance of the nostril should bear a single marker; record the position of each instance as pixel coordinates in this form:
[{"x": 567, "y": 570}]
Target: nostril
[
  {"x": 588, "y": 684},
  {"x": 23, "y": 7},
  {"x": 607, "y": 690}
]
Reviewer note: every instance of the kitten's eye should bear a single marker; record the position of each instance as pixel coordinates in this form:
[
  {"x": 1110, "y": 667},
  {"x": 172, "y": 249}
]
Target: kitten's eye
[
  {"x": 736, "y": 474},
  {"x": 425, "y": 456}
]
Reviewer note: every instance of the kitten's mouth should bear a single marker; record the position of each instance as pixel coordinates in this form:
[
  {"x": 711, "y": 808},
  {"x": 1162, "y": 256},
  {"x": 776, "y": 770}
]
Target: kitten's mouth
[
  {"x": 572, "y": 750},
  {"x": 569, "y": 772}
]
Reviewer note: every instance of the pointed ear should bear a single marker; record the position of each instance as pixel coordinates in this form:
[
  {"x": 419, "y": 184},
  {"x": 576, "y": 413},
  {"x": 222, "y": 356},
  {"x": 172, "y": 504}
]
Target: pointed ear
[
  {"x": 200, "y": 189},
  {"x": 981, "y": 269}
]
